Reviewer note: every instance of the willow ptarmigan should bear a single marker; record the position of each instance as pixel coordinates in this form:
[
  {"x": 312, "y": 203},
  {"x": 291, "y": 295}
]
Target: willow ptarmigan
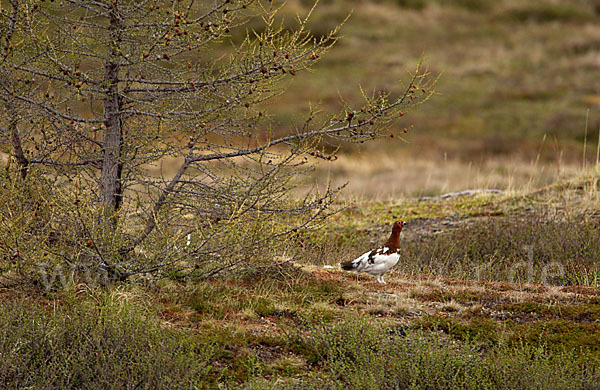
[{"x": 380, "y": 260}]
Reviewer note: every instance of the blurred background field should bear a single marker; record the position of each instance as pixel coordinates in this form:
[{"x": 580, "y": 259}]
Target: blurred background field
[{"x": 517, "y": 79}]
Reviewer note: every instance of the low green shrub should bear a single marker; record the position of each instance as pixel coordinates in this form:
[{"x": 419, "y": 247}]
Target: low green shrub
[
  {"x": 104, "y": 347},
  {"x": 50, "y": 234},
  {"x": 360, "y": 354}
]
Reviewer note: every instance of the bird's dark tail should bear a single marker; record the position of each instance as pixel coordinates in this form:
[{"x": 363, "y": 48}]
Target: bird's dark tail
[{"x": 348, "y": 266}]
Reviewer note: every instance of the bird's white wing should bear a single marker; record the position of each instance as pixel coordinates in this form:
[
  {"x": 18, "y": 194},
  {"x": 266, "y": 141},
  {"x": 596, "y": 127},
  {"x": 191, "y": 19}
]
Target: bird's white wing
[
  {"x": 376, "y": 261},
  {"x": 361, "y": 262},
  {"x": 381, "y": 263}
]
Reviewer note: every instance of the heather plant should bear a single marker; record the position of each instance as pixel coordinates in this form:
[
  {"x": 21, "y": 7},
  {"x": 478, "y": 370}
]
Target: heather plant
[{"x": 156, "y": 114}]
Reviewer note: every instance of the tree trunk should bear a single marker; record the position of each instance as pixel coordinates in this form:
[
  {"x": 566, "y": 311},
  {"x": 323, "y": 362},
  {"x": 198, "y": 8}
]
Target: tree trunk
[
  {"x": 111, "y": 194},
  {"x": 15, "y": 140}
]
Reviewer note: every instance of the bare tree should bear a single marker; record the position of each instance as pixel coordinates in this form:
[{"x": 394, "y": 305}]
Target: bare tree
[{"x": 157, "y": 116}]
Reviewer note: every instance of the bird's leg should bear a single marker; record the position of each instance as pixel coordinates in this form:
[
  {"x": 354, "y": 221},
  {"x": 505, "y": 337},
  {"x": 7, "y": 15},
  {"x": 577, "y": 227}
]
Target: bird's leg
[{"x": 380, "y": 279}]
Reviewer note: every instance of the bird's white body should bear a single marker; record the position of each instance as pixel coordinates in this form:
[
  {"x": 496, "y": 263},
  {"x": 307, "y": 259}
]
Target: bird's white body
[
  {"x": 377, "y": 263},
  {"x": 380, "y": 260}
]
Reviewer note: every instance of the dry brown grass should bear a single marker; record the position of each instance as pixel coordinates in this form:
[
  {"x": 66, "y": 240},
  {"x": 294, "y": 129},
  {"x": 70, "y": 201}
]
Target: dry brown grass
[{"x": 389, "y": 176}]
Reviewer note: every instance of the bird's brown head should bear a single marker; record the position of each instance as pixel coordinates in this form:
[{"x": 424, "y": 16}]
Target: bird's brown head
[
  {"x": 398, "y": 226},
  {"x": 394, "y": 241}
]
